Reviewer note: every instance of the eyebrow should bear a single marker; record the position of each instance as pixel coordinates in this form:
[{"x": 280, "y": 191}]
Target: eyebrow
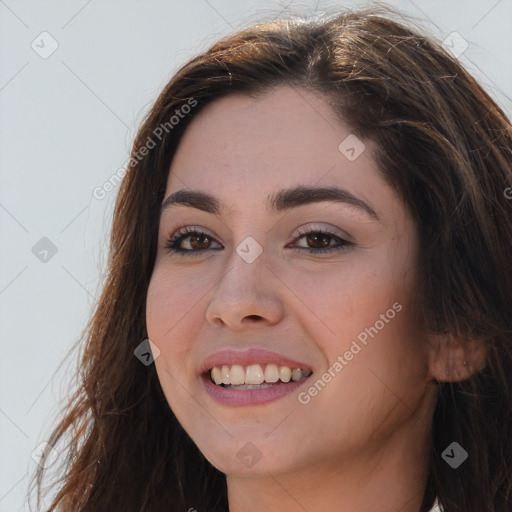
[{"x": 278, "y": 202}]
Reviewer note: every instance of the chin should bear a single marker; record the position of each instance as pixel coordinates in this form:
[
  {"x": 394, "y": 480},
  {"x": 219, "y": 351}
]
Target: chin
[
  {"x": 252, "y": 455},
  {"x": 257, "y": 464}
]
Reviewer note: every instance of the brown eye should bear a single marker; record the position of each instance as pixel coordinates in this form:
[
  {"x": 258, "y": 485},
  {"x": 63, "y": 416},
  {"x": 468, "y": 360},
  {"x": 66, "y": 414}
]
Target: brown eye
[
  {"x": 189, "y": 241},
  {"x": 199, "y": 242},
  {"x": 318, "y": 240}
]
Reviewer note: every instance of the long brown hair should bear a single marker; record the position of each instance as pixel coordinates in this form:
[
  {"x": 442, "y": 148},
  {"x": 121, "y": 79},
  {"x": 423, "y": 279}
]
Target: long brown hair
[{"x": 446, "y": 149}]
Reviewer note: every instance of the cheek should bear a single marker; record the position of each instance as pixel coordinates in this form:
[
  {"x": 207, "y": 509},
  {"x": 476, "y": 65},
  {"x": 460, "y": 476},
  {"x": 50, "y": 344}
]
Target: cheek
[
  {"x": 172, "y": 307},
  {"x": 338, "y": 301},
  {"x": 172, "y": 298},
  {"x": 172, "y": 317},
  {"x": 363, "y": 313}
]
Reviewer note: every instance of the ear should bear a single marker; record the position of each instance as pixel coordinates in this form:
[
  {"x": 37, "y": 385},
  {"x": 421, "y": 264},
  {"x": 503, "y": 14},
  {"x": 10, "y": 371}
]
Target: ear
[{"x": 452, "y": 360}]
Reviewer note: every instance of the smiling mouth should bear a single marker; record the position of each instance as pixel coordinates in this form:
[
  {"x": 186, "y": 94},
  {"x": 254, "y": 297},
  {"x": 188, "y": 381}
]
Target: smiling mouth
[{"x": 255, "y": 376}]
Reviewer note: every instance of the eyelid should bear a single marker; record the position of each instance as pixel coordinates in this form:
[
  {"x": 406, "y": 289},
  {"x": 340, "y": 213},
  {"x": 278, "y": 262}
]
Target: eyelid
[
  {"x": 301, "y": 230},
  {"x": 304, "y": 229},
  {"x": 187, "y": 228}
]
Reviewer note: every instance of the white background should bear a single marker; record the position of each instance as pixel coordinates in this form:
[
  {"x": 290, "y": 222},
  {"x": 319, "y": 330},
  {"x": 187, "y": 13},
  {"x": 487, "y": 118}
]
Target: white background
[{"x": 66, "y": 126}]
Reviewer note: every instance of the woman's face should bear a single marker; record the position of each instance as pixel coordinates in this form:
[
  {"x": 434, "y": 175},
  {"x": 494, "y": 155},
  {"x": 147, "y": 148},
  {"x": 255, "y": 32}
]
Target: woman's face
[{"x": 251, "y": 287}]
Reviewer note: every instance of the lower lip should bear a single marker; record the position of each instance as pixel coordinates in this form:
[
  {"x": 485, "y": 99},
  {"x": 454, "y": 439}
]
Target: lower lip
[{"x": 241, "y": 397}]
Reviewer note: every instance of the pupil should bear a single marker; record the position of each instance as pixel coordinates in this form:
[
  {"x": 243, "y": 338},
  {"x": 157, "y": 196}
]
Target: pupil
[
  {"x": 194, "y": 239},
  {"x": 315, "y": 238}
]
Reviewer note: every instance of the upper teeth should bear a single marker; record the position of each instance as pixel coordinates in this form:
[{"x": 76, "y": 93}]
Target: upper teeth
[{"x": 236, "y": 375}]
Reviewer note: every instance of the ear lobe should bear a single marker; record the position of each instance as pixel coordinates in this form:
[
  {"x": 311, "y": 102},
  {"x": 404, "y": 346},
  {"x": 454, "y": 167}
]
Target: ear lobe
[{"x": 452, "y": 360}]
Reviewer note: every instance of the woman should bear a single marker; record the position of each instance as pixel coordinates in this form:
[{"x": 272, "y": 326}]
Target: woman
[{"x": 314, "y": 233}]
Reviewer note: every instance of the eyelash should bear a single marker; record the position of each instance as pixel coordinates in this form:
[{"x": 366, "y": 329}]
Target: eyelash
[{"x": 172, "y": 245}]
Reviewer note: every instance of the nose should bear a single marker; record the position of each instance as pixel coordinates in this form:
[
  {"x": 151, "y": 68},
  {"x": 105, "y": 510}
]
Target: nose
[{"x": 247, "y": 294}]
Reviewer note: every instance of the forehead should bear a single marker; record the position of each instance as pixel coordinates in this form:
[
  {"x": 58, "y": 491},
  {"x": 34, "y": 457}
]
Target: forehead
[{"x": 243, "y": 149}]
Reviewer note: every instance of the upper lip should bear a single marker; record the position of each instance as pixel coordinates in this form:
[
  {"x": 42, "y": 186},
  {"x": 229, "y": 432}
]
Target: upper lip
[{"x": 247, "y": 357}]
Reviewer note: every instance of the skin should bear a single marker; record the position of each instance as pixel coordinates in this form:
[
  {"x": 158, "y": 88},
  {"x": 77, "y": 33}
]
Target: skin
[{"x": 364, "y": 438}]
